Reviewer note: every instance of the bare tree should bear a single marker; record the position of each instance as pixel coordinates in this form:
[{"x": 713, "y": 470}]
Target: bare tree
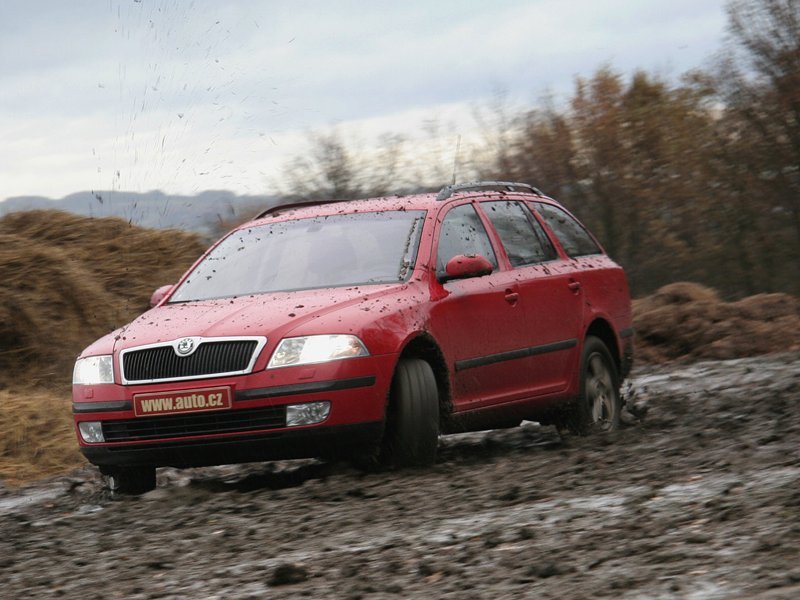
[
  {"x": 329, "y": 169},
  {"x": 759, "y": 82}
]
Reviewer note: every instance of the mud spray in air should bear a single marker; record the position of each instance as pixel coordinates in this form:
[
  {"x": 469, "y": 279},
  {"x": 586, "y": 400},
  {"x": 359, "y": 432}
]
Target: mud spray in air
[{"x": 196, "y": 108}]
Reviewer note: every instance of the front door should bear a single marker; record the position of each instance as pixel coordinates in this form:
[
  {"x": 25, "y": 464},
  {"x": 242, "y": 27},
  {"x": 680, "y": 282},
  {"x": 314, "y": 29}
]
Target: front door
[{"x": 479, "y": 321}]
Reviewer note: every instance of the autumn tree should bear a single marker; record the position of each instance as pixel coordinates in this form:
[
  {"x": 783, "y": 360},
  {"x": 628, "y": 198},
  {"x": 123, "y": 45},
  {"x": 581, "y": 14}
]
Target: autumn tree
[
  {"x": 328, "y": 169},
  {"x": 623, "y": 155}
]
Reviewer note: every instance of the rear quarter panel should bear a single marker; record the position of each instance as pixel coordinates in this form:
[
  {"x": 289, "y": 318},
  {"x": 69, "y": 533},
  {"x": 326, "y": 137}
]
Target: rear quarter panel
[{"x": 605, "y": 289}]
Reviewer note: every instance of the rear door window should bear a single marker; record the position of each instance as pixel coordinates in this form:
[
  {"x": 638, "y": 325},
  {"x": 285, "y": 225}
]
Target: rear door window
[
  {"x": 574, "y": 238},
  {"x": 522, "y": 236}
]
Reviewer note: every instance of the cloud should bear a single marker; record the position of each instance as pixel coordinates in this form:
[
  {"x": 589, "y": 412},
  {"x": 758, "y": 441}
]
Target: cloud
[{"x": 194, "y": 95}]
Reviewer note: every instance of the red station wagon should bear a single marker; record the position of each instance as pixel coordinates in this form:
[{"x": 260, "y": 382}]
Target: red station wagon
[{"x": 366, "y": 329}]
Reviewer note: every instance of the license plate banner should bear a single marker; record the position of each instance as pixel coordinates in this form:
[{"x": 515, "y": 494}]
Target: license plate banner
[{"x": 170, "y": 403}]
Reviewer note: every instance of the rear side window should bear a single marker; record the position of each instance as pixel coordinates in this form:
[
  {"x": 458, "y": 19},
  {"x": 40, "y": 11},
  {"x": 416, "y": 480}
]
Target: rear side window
[
  {"x": 572, "y": 235},
  {"x": 463, "y": 232},
  {"x": 522, "y": 236}
]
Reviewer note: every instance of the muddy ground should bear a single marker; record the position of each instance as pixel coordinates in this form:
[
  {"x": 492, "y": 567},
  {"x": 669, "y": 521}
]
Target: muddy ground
[{"x": 700, "y": 499}]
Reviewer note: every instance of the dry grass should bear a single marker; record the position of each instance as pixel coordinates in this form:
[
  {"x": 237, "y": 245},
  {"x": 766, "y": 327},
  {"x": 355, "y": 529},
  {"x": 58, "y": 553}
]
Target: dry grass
[{"x": 36, "y": 436}]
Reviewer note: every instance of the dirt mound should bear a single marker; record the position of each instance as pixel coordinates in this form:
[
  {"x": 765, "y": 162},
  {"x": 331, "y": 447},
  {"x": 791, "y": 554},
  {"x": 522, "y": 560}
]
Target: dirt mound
[
  {"x": 125, "y": 259},
  {"x": 68, "y": 280},
  {"x": 686, "y": 321}
]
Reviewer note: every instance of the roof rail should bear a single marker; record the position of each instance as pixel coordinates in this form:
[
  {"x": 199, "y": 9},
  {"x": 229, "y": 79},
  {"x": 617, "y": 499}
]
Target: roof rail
[
  {"x": 278, "y": 208},
  {"x": 496, "y": 186}
]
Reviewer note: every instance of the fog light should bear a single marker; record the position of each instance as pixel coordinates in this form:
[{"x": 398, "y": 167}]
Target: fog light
[
  {"x": 91, "y": 432},
  {"x": 309, "y": 413}
]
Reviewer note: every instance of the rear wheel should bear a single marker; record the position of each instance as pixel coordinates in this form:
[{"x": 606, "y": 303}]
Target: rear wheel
[
  {"x": 412, "y": 428},
  {"x": 598, "y": 406},
  {"x": 131, "y": 480}
]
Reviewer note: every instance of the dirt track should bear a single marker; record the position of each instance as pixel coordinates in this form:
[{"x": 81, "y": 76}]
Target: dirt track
[{"x": 699, "y": 500}]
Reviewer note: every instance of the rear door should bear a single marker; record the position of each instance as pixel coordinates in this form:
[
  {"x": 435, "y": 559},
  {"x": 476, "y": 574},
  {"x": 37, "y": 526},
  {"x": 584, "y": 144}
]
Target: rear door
[
  {"x": 602, "y": 282},
  {"x": 551, "y": 301}
]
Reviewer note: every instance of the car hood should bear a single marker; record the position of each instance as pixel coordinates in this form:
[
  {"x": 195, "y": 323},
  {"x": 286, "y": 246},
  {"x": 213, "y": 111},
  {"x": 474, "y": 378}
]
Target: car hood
[{"x": 261, "y": 314}]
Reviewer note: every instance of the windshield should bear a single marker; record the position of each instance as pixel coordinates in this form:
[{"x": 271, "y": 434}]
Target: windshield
[{"x": 320, "y": 252}]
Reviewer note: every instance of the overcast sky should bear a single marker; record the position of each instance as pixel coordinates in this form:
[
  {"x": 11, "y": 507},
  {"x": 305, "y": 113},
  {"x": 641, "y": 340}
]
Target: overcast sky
[{"x": 187, "y": 96}]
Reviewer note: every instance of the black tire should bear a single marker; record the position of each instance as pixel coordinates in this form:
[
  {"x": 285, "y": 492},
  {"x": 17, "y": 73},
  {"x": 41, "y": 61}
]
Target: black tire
[
  {"x": 131, "y": 480},
  {"x": 412, "y": 427},
  {"x": 598, "y": 406}
]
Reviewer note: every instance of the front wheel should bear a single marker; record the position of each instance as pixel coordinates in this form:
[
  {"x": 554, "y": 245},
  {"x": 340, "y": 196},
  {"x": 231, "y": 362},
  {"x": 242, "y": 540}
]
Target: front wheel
[
  {"x": 412, "y": 428},
  {"x": 598, "y": 406},
  {"x": 131, "y": 480}
]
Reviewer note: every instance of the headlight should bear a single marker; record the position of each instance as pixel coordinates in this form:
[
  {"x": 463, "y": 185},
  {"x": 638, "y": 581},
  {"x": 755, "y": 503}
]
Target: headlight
[
  {"x": 316, "y": 349},
  {"x": 93, "y": 370}
]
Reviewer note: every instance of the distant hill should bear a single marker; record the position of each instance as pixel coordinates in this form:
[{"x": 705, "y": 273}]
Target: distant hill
[{"x": 150, "y": 209}]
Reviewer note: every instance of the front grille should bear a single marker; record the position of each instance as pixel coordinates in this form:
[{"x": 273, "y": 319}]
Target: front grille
[
  {"x": 210, "y": 358},
  {"x": 176, "y": 426}
]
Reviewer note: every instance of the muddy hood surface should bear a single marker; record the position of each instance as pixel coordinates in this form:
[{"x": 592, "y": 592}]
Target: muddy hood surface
[{"x": 258, "y": 314}]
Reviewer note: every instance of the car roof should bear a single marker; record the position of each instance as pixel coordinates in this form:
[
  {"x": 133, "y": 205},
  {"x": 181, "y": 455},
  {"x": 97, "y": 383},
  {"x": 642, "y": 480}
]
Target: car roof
[{"x": 427, "y": 201}]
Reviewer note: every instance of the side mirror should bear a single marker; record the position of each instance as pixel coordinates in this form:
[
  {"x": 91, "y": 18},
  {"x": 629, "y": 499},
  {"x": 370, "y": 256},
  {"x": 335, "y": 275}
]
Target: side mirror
[
  {"x": 160, "y": 294},
  {"x": 463, "y": 266}
]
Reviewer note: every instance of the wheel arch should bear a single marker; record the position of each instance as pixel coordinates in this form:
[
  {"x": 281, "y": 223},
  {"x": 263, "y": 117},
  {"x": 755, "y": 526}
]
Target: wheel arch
[
  {"x": 425, "y": 347},
  {"x": 602, "y": 329}
]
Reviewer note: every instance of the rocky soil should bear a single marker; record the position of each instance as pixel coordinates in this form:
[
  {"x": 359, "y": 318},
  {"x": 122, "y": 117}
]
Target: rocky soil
[{"x": 700, "y": 498}]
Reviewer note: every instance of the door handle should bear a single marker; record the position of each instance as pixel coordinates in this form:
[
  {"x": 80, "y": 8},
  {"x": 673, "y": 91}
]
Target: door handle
[
  {"x": 575, "y": 286},
  {"x": 512, "y": 297}
]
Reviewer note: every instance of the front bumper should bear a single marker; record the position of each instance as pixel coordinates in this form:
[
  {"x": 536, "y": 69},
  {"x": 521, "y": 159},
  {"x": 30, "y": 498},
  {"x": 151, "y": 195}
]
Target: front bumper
[
  {"x": 253, "y": 429},
  {"x": 283, "y": 444}
]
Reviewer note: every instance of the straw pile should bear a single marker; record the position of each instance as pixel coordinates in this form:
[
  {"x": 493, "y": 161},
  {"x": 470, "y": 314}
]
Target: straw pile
[
  {"x": 686, "y": 322},
  {"x": 66, "y": 280},
  {"x": 36, "y": 435}
]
